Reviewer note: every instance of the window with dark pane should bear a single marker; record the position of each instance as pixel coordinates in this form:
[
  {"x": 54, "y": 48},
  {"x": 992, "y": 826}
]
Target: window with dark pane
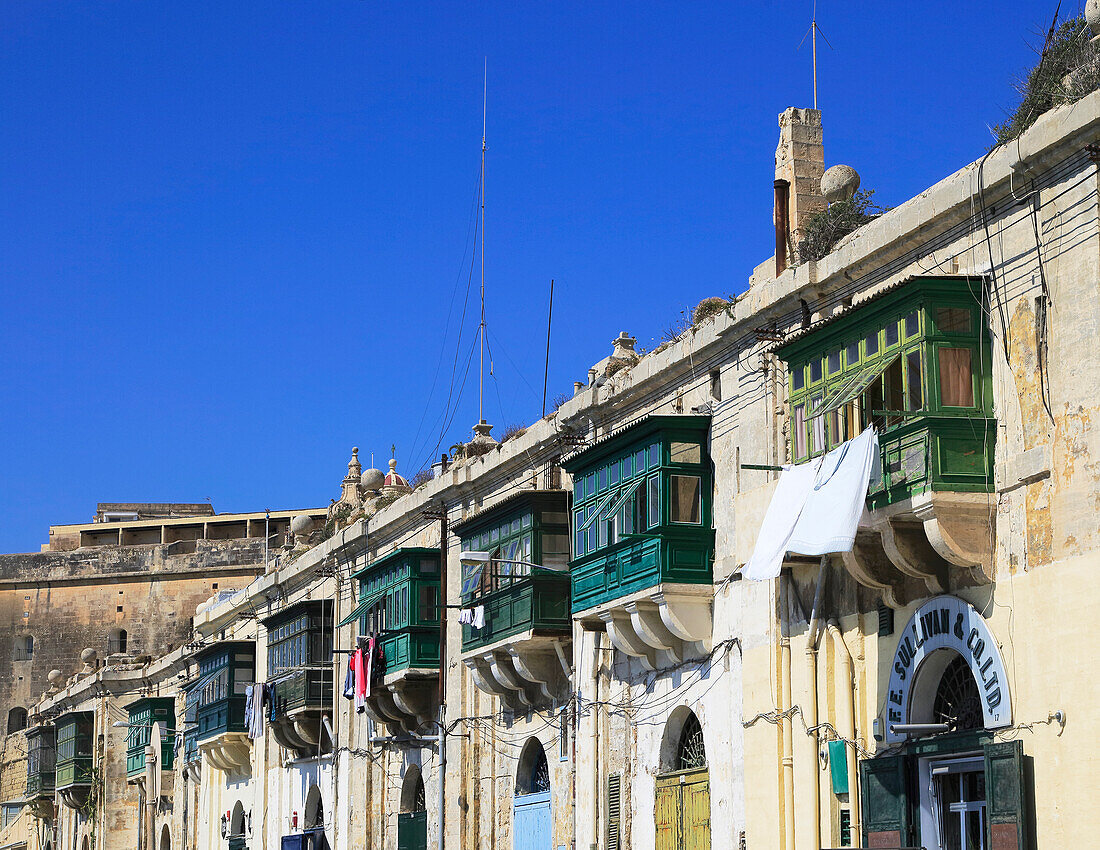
[{"x": 690, "y": 752}]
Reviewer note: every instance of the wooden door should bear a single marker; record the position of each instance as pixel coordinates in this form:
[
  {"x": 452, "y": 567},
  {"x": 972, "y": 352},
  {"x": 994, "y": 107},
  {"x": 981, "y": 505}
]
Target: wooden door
[
  {"x": 682, "y": 811},
  {"x": 412, "y": 831},
  {"x": 531, "y": 822}
]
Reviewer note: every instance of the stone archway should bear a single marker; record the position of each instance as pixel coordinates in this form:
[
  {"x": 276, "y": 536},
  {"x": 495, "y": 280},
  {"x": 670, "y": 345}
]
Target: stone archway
[
  {"x": 682, "y": 805},
  {"x": 531, "y": 816},
  {"x": 412, "y": 821},
  {"x": 165, "y": 838}
]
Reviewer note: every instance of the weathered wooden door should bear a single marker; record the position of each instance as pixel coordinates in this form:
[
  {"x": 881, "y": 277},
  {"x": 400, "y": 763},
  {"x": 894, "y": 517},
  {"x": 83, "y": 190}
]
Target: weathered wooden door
[
  {"x": 531, "y": 821},
  {"x": 682, "y": 810},
  {"x": 412, "y": 831}
]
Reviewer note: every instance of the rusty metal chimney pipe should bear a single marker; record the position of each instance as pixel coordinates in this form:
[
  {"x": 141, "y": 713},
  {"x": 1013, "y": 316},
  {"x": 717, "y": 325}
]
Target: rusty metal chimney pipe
[{"x": 782, "y": 216}]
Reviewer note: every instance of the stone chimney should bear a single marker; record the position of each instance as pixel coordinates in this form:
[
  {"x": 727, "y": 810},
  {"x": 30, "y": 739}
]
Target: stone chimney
[{"x": 799, "y": 162}]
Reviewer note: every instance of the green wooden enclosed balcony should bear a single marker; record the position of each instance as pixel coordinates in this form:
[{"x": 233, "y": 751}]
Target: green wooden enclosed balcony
[
  {"x": 398, "y": 610},
  {"x": 299, "y": 669},
  {"x": 522, "y": 651},
  {"x": 41, "y": 761},
  {"x": 915, "y": 361},
  {"x": 643, "y": 539},
  {"x": 143, "y": 714},
  {"x": 75, "y": 759},
  {"x": 226, "y": 669}
]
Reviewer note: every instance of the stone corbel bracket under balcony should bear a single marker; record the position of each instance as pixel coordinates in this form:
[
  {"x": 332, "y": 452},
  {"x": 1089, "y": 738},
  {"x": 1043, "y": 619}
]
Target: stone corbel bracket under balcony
[
  {"x": 929, "y": 544},
  {"x": 75, "y": 796},
  {"x": 659, "y": 626},
  {"x": 407, "y": 699},
  {"x": 302, "y": 731},
  {"x": 192, "y": 771},
  {"x": 42, "y": 807},
  {"x": 229, "y": 751},
  {"x": 526, "y": 671}
]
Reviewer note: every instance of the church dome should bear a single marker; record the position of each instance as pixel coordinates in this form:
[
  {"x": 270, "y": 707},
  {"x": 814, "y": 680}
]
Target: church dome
[{"x": 392, "y": 479}]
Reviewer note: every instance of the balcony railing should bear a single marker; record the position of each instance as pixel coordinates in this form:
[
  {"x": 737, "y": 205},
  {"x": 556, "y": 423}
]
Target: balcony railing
[
  {"x": 537, "y": 602},
  {"x": 928, "y": 453},
  {"x": 302, "y": 689}
]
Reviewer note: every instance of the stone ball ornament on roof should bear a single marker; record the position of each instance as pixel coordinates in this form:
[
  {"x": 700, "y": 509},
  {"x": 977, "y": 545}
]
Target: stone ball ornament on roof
[
  {"x": 839, "y": 183},
  {"x": 55, "y": 677},
  {"x": 372, "y": 479},
  {"x": 1092, "y": 16},
  {"x": 301, "y": 524}
]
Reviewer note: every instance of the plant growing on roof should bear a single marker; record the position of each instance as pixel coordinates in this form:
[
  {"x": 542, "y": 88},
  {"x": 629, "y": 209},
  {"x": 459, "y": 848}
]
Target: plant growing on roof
[
  {"x": 421, "y": 478},
  {"x": 827, "y": 228},
  {"x": 1067, "y": 70},
  {"x": 709, "y": 307},
  {"x": 513, "y": 430}
]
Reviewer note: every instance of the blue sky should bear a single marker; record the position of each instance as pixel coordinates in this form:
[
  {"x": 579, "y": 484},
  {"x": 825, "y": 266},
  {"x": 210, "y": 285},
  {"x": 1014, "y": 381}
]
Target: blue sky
[{"x": 234, "y": 237}]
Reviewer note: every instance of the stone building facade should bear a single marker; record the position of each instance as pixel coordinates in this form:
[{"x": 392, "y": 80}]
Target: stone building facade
[{"x": 610, "y": 679}]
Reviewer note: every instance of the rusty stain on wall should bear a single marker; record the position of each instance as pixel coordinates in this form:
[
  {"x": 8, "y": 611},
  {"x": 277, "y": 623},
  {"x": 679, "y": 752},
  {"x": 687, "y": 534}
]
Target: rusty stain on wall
[{"x": 1035, "y": 429}]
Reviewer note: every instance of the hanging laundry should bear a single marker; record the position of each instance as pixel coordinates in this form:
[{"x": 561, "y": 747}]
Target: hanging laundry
[
  {"x": 816, "y": 506},
  {"x": 360, "y": 681},
  {"x": 254, "y": 711},
  {"x": 349, "y": 678},
  {"x": 369, "y": 677},
  {"x": 473, "y": 617}
]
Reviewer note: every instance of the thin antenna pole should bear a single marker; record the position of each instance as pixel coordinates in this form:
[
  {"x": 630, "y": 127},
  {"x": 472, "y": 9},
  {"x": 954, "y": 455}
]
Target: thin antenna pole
[
  {"x": 481, "y": 327},
  {"x": 813, "y": 26},
  {"x": 546, "y": 371}
]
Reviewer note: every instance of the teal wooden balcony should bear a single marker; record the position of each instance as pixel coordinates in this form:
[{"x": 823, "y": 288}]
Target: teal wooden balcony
[
  {"x": 522, "y": 653},
  {"x": 399, "y": 609},
  {"x": 643, "y": 540},
  {"x": 916, "y": 362},
  {"x": 75, "y": 759},
  {"x": 143, "y": 714},
  {"x": 226, "y": 669},
  {"x": 533, "y": 604},
  {"x": 299, "y": 668},
  {"x": 41, "y": 761}
]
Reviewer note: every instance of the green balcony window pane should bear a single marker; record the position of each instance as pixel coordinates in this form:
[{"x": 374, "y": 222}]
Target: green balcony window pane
[
  {"x": 686, "y": 499},
  {"x": 682, "y": 452},
  {"x": 953, "y": 320}
]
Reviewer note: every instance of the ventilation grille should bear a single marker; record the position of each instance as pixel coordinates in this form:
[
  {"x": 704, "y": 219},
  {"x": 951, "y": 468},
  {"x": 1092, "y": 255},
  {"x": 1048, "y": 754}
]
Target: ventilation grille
[{"x": 885, "y": 620}]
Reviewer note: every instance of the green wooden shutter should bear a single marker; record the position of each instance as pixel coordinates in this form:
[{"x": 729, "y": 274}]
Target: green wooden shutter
[
  {"x": 614, "y": 814},
  {"x": 885, "y": 802},
  {"x": 1006, "y": 801}
]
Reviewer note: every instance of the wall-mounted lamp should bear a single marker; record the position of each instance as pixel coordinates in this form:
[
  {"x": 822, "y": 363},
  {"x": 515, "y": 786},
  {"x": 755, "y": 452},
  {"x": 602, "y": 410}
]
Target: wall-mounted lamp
[{"x": 912, "y": 729}]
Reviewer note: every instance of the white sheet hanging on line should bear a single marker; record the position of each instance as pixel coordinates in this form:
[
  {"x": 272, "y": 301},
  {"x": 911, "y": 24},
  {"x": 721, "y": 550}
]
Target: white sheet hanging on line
[{"x": 816, "y": 506}]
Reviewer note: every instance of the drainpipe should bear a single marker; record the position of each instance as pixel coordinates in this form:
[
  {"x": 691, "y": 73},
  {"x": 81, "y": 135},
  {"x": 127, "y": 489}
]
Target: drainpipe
[
  {"x": 785, "y": 707},
  {"x": 809, "y": 747},
  {"x": 597, "y": 641},
  {"x": 782, "y": 218},
  {"x": 149, "y": 819},
  {"x": 846, "y": 722}
]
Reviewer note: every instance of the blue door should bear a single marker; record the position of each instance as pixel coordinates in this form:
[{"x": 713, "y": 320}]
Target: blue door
[{"x": 531, "y": 822}]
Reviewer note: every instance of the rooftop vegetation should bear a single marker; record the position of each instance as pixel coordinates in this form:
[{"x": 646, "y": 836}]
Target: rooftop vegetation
[{"x": 1067, "y": 70}]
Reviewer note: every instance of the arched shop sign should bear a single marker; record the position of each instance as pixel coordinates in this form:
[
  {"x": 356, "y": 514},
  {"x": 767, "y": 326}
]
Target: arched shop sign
[{"x": 944, "y": 623}]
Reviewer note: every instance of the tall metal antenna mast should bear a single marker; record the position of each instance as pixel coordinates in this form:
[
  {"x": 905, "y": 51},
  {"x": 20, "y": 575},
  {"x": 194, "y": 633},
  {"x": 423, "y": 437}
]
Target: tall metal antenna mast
[
  {"x": 812, "y": 32},
  {"x": 481, "y": 327}
]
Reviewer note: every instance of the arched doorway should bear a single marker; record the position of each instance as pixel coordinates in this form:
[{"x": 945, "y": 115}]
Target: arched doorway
[
  {"x": 412, "y": 821},
  {"x": 531, "y": 812},
  {"x": 945, "y": 771},
  {"x": 237, "y": 839},
  {"x": 165, "y": 838},
  {"x": 682, "y": 805},
  {"x": 313, "y": 826}
]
